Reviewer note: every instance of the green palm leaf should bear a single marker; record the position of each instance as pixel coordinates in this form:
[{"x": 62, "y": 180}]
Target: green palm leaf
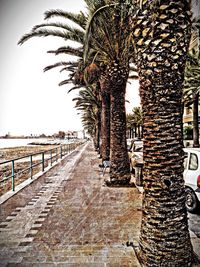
[{"x": 79, "y": 19}]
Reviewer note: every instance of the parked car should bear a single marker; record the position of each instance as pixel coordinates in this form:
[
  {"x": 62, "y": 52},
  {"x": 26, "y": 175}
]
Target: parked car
[
  {"x": 191, "y": 172},
  {"x": 192, "y": 178},
  {"x": 135, "y": 152}
]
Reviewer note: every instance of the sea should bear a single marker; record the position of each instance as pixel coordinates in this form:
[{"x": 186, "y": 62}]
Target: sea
[{"x": 14, "y": 142}]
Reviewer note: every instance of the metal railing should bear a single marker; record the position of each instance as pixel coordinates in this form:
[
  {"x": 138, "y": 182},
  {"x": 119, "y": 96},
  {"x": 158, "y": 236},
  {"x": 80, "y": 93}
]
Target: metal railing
[{"x": 24, "y": 167}]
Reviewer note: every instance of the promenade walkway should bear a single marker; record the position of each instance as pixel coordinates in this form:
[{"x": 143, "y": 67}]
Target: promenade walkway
[{"x": 69, "y": 218}]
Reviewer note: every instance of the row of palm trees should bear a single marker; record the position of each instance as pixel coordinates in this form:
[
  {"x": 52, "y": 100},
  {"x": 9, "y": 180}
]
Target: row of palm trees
[
  {"x": 153, "y": 35},
  {"x": 134, "y": 123},
  {"x": 103, "y": 62}
]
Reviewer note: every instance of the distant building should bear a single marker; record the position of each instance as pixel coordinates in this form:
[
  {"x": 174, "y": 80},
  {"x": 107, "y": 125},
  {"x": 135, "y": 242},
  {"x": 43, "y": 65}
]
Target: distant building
[
  {"x": 71, "y": 135},
  {"x": 74, "y": 135},
  {"x": 188, "y": 121}
]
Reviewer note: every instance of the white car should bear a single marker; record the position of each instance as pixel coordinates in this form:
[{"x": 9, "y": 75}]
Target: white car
[
  {"x": 191, "y": 172},
  {"x": 192, "y": 178},
  {"x": 135, "y": 153}
]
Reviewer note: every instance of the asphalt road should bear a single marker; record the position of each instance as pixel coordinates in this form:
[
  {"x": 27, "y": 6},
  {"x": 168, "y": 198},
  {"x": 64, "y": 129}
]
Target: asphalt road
[{"x": 194, "y": 223}]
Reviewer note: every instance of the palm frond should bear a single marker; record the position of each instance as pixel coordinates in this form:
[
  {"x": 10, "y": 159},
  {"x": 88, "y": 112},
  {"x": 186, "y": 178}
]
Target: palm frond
[
  {"x": 65, "y": 82},
  {"x": 68, "y": 50},
  {"x": 56, "y": 25},
  {"x": 75, "y": 88},
  {"x": 58, "y": 64},
  {"x": 73, "y": 36},
  {"x": 80, "y": 18},
  {"x": 89, "y": 26}
]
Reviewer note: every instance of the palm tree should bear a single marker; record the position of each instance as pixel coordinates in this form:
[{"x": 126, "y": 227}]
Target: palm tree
[
  {"x": 138, "y": 121},
  {"x": 135, "y": 122},
  {"x": 161, "y": 31},
  {"x": 79, "y": 72},
  {"x": 130, "y": 125},
  {"x": 88, "y": 102},
  {"x": 113, "y": 46}
]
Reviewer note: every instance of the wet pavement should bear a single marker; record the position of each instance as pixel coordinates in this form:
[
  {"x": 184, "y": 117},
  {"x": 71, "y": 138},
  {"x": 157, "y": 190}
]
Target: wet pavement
[{"x": 69, "y": 218}]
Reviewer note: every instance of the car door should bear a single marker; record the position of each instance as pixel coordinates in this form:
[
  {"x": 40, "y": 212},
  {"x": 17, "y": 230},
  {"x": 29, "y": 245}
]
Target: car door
[{"x": 191, "y": 170}]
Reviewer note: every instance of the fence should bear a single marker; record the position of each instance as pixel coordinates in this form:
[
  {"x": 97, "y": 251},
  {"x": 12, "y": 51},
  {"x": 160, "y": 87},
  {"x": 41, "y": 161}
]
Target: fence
[{"x": 19, "y": 169}]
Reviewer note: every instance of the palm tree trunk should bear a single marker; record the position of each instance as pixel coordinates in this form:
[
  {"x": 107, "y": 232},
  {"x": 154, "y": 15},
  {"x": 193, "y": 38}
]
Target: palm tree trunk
[
  {"x": 95, "y": 138},
  {"x": 139, "y": 132},
  {"x": 98, "y": 131},
  {"x": 120, "y": 166},
  {"x": 105, "y": 122},
  {"x": 162, "y": 35},
  {"x": 196, "y": 121}
]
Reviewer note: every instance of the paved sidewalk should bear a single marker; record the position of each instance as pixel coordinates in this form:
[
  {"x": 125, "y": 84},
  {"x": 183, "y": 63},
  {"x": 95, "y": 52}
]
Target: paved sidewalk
[{"x": 69, "y": 218}]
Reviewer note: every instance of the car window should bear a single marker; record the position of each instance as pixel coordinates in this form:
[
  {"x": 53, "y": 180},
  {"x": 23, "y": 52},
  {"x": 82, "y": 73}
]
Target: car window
[
  {"x": 193, "y": 164},
  {"x": 185, "y": 160}
]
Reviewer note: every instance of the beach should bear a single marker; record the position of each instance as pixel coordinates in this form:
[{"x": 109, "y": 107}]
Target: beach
[{"x": 10, "y": 153}]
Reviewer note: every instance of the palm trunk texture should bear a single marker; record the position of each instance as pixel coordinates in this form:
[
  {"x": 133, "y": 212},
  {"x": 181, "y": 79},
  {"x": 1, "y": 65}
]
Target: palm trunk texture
[
  {"x": 120, "y": 166},
  {"x": 162, "y": 30},
  {"x": 95, "y": 138},
  {"x": 99, "y": 129},
  {"x": 105, "y": 122}
]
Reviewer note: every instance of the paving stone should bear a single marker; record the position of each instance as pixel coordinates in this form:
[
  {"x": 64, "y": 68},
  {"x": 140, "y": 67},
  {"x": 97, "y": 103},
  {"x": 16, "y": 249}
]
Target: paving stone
[{"x": 74, "y": 220}]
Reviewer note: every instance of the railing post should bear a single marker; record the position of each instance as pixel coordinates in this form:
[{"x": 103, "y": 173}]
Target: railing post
[
  {"x": 13, "y": 175},
  {"x": 61, "y": 151},
  {"x": 31, "y": 166},
  {"x": 42, "y": 161},
  {"x": 64, "y": 149},
  {"x": 56, "y": 154},
  {"x": 51, "y": 157}
]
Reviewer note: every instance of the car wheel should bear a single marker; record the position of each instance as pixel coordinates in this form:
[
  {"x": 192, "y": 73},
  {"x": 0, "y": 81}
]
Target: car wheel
[{"x": 192, "y": 202}]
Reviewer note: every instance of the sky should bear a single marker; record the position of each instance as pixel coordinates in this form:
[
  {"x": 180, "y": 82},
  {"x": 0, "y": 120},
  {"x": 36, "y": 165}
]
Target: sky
[{"x": 31, "y": 102}]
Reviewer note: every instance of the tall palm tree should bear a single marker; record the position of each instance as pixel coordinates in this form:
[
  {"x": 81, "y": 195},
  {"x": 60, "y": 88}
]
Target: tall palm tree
[
  {"x": 161, "y": 31},
  {"x": 113, "y": 46},
  {"x": 78, "y": 70}
]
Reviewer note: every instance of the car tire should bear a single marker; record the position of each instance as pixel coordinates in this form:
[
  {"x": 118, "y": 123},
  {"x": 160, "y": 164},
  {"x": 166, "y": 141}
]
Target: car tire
[{"x": 192, "y": 203}]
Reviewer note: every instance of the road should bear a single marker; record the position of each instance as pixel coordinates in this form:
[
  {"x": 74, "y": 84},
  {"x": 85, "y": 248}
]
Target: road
[{"x": 194, "y": 223}]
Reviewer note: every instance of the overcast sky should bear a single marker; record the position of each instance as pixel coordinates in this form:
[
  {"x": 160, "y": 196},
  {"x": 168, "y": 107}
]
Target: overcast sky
[{"x": 31, "y": 102}]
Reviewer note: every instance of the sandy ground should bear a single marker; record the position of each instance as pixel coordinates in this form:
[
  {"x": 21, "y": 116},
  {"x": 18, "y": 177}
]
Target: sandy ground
[{"x": 15, "y": 152}]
